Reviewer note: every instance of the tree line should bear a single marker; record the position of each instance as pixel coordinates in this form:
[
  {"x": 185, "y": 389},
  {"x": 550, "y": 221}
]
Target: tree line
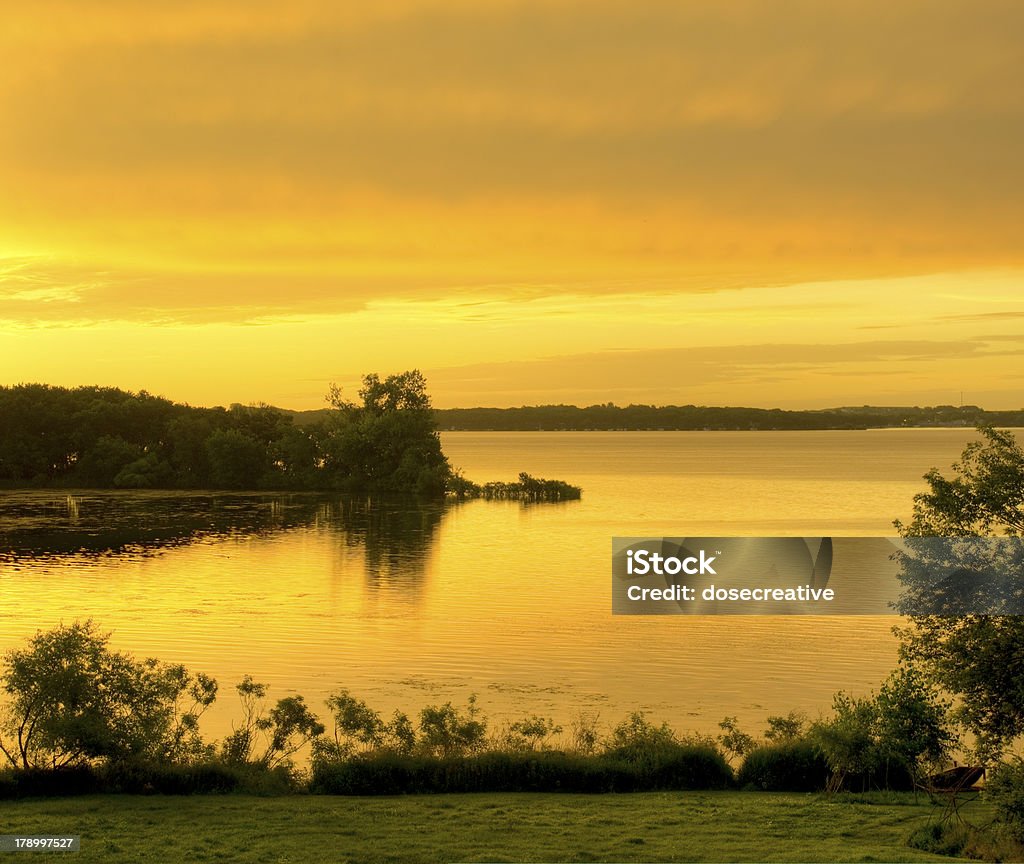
[
  {"x": 104, "y": 437},
  {"x": 101, "y": 437},
  {"x": 609, "y": 417}
]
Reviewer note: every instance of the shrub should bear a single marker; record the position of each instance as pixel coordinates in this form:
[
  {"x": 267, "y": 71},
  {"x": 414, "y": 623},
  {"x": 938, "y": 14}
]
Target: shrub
[
  {"x": 791, "y": 766},
  {"x": 636, "y": 738},
  {"x": 683, "y": 766},
  {"x": 939, "y": 838},
  {"x": 48, "y": 782},
  {"x": 787, "y": 728},
  {"x": 584, "y": 734},
  {"x": 688, "y": 766},
  {"x": 141, "y": 778},
  {"x": 446, "y": 731},
  {"x": 531, "y": 489},
  {"x": 134, "y": 777},
  {"x": 284, "y": 729},
  {"x": 528, "y": 734},
  {"x": 960, "y": 840},
  {"x": 283, "y": 779},
  {"x": 887, "y": 739},
  {"x": 1005, "y": 789}
]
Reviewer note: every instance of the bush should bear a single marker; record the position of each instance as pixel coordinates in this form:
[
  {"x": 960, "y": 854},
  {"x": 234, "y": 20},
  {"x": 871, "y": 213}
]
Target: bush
[
  {"x": 279, "y": 780},
  {"x": 638, "y": 740},
  {"x": 48, "y": 783},
  {"x": 887, "y": 739},
  {"x": 139, "y": 778},
  {"x": 391, "y": 774},
  {"x": 530, "y": 733},
  {"x": 446, "y": 731},
  {"x": 663, "y": 761},
  {"x": 1005, "y": 789},
  {"x": 791, "y": 766},
  {"x": 148, "y": 778},
  {"x": 960, "y": 840},
  {"x": 688, "y": 766},
  {"x": 529, "y": 489},
  {"x": 679, "y": 767},
  {"x": 939, "y": 838}
]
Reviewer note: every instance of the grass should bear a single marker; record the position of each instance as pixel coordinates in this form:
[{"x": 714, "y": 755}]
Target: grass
[{"x": 656, "y": 826}]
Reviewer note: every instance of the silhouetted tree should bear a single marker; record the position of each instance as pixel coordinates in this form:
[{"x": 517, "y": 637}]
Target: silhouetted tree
[
  {"x": 99, "y": 465},
  {"x": 389, "y": 443},
  {"x": 237, "y": 460},
  {"x": 72, "y": 700},
  {"x": 281, "y": 731},
  {"x": 977, "y": 657}
]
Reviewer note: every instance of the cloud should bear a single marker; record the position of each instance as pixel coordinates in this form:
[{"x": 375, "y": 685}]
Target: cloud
[
  {"x": 680, "y": 373},
  {"x": 429, "y": 146},
  {"x": 1002, "y": 315}
]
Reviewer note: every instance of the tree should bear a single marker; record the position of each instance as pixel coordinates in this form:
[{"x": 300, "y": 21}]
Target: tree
[
  {"x": 389, "y": 443},
  {"x": 904, "y": 725},
  {"x": 912, "y": 722},
  {"x": 735, "y": 742},
  {"x": 358, "y": 729},
  {"x": 237, "y": 460},
  {"x": 237, "y": 748},
  {"x": 406, "y": 391},
  {"x": 985, "y": 495},
  {"x": 72, "y": 700},
  {"x": 284, "y": 729},
  {"x": 186, "y": 444},
  {"x": 846, "y": 740},
  {"x": 290, "y": 725},
  {"x": 788, "y": 728},
  {"x": 977, "y": 657},
  {"x": 105, "y": 460},
  {"x": 356, "y": 725},
  {"x": 146, "y": 472},
  {"x": 446, "y": 731}
]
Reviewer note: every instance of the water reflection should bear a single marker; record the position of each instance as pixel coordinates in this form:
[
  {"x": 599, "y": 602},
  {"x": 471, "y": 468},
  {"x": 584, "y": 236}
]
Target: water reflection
[
  {"x": 396, "y": 535},
  {"x": 37, "y": 525}
]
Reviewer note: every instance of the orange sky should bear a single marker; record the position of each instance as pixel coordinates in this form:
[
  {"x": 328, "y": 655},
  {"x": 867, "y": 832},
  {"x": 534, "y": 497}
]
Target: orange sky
[{"x": 764, "y": 203}]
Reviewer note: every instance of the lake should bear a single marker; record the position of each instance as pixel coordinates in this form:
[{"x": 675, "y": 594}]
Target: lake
[{"x": 407, "y": 605}]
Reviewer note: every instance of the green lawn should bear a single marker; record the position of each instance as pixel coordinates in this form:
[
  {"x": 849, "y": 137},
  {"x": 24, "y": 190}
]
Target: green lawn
[{"x": 670, "y": 826}]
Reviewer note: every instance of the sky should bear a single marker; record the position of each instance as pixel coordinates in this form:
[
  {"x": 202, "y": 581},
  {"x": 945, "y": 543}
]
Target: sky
[{"x": 785, "y": 203}]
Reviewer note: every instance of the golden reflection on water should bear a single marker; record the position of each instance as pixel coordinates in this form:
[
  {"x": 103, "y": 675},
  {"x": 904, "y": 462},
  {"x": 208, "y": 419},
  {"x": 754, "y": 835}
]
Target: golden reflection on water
[{"x": 407, "y": 605}]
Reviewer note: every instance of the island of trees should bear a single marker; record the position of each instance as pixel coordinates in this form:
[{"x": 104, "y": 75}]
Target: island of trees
[{"x": 101, "y": 437}]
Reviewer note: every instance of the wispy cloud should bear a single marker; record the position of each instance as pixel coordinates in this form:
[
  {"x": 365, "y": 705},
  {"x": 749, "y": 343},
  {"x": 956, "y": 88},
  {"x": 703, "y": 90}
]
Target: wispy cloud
[
  {"x": 691, "y": 374},
  {"x": 1003, "y": 315}
]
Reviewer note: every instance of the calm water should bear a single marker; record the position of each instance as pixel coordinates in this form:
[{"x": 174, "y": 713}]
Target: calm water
[{"x": 406, "y": 605}]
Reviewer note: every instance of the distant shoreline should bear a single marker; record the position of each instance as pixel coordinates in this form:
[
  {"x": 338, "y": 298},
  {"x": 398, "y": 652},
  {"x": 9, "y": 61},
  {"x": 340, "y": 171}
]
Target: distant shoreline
[
  {"x": 731, "y": 429},
  {"x": 694, "y": 418}
]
